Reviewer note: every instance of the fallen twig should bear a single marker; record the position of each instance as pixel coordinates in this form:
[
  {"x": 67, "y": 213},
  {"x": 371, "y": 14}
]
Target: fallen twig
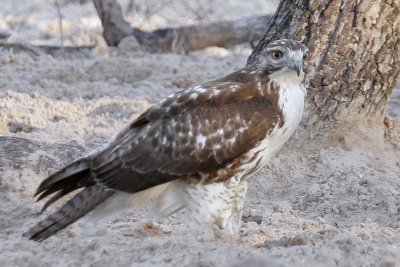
[
  {"x": 181, "y": 39},
  {"x": 22, "y": 46},
  {"x": 38, "y": 50}
]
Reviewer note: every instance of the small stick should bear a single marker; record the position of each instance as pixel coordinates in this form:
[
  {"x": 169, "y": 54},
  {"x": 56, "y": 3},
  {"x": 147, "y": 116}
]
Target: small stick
[
  {"x": 23, "y": 46},
  {"x": 60, "y": 22},
  {"x": 38, "y": 50}
]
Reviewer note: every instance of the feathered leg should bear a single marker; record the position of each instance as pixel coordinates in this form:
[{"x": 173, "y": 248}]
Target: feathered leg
[{"x": 218, "y": 204}]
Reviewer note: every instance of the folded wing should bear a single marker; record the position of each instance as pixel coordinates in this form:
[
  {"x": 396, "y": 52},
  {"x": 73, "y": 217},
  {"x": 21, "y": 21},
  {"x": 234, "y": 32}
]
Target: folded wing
[{"x": 194, "y": 131}]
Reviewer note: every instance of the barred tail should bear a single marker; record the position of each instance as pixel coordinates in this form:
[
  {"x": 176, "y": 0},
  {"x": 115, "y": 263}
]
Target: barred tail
[{"x": 74, "y": 209}]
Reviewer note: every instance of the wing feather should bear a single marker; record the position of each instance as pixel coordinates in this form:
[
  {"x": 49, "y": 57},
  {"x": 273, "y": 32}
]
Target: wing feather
[{"x": 201, "y": 129}]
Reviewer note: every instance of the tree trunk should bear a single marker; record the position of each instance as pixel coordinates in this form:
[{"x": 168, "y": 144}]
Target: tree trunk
[
  {"x": 354, "y": 56},
  {"x": 115, "y": 28}
]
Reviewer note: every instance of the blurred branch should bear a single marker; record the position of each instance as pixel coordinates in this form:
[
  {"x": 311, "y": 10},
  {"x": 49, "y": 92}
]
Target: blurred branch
[
  {"x": 181, "y": 39},
  {"x": 130, "y": 7},
  {"x": 22, "y": 46},
  {"x": 38, "y": 50}
]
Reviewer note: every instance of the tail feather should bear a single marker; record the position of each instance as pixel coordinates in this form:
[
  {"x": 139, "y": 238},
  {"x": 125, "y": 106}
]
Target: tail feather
[
  {"x": 74, "y": 209},
  {"x": 70, "y": 178},
  {"x": 54, "y": 198},
  {"x": 73, "y": 182},
  {"x": 72, "y": 173}
]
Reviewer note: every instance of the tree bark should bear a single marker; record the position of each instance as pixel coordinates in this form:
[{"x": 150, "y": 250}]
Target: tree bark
[
  {"x": 115, "y": 28},
  {"x": 182, "y": 39},
  {"x": 354, "y": 56}
]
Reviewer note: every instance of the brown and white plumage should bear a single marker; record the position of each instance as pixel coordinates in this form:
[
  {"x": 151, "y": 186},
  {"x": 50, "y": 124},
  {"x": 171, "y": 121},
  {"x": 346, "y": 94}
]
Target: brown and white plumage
[{"x": 194, "y": 149}]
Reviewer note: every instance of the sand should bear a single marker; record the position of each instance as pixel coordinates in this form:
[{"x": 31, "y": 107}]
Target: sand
[{"x": 331, "y": 205}]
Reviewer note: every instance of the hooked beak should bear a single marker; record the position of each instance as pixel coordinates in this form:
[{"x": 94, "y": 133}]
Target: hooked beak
[{"x": 296, "y": 65}]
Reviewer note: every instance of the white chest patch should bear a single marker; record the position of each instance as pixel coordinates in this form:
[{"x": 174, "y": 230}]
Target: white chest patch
[{"x": 291, "y": 101}]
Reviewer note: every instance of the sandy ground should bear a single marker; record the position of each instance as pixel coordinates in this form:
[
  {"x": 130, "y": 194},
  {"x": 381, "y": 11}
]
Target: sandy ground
[{"x": 332, "y": 206}]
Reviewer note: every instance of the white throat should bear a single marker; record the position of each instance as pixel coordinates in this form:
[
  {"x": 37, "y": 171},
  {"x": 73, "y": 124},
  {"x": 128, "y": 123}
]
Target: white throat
[
  {"x": 291, "y": 98},
  {"x": 292, "y": 90}
]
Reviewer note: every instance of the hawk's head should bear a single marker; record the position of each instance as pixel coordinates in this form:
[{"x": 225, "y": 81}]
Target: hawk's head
[{"x": 282, "y": 56}]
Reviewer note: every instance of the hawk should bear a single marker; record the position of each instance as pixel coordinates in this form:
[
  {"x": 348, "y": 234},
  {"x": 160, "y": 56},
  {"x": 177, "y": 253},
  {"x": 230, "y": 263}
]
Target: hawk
[{"x": 196, "y": 149}]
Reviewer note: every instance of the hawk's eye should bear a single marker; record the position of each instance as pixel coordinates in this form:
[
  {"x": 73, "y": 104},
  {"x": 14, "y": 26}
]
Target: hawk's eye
[{"x": 276, "y": 55}]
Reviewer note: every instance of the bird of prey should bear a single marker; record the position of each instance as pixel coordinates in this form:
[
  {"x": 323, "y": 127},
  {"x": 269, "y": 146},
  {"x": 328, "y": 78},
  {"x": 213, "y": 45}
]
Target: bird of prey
[{"x": 196, "y": 149}]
